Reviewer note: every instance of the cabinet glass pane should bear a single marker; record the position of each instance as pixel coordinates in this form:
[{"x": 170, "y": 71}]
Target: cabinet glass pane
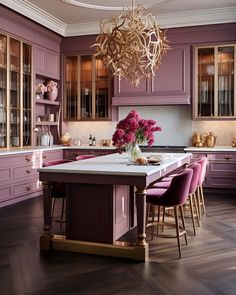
[
  {"x": 206, "y": 80},
  {"x": 102, "y": 94},
  {"x": 14, "y": 73},
  {"x": 225, "y": 59},
  {"x": 86, "y": 86},
  {"x": 14, "y": 93},
  {"x": 71, "y": 87},
  {"x": 27, "y": 95},
  {"x": 3, "y": 91},
  {"x": 15, "y": 127}
]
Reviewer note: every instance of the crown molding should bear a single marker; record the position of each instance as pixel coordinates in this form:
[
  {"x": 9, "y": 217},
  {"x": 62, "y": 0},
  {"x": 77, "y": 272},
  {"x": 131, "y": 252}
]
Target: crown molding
[
  {"x": 36, "y": 14},
  {"x": 197, "y": 17},
  {"x": 169, "y": 20}
]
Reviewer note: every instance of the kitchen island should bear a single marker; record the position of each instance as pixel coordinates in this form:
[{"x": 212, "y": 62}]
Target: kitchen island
[{"x": 96, "y": 192}]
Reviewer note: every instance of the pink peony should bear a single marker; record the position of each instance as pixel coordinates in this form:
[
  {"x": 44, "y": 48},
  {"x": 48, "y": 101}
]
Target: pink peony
[{"x": 134, "y": 129}]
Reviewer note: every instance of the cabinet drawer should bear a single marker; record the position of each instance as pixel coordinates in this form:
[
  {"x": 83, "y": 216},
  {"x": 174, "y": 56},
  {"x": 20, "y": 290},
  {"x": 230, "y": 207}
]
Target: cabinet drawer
[
  {"x": 222, "y": 156},
  {"x": 223, "y": 167},
  {"x": 13, "y": 160},
  {"x": 26, "y": 187},
  {"x": 5, "y": 193},
  {"x": 25, "y": 172},
  {"x": 222, "y": 182},
  {"x": 5, "y": 175}
]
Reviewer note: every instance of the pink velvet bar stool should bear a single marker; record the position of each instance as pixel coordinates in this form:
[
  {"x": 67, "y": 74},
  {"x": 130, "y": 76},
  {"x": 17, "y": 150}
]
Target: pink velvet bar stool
[
  {"x": 192, "y": 198},
  {"x": 174, "y": 196},
  {"x": 200, "y": 196},
  {"x": 84, "y": 157}
]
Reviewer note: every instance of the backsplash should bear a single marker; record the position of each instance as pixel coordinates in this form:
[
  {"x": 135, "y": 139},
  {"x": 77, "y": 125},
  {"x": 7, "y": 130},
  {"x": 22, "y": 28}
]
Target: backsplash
[
  {"x": 176, "y": 122},
  {"x": 224, "y": 130}
]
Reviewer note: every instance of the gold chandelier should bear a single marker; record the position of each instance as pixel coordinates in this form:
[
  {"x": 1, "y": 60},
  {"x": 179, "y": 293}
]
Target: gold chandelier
[{"x": 132, "y": 44}]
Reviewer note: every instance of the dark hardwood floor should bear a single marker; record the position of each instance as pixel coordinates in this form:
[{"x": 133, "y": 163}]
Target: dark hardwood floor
[{"x": 208, "y": 266}]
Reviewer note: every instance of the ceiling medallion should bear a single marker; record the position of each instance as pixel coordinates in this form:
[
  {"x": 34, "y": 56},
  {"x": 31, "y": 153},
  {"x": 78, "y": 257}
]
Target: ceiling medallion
[{"x": 131, "y": 45}]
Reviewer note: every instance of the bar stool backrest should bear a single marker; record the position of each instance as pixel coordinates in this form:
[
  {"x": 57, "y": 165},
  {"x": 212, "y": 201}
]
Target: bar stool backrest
[
  {"x": 203, "y": 162},
  {"x": 178, "y": 190},
  {"x": 196, "y": 167}
]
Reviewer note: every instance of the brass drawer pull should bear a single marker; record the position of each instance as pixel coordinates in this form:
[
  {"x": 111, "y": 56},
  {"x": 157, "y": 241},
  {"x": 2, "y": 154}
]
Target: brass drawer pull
[
  {"x": 28, "y": 188},
  {"x": 28, "y": 158},
  {"x": 28, "y": 171},
  {"x": 228, "y": 157},
  {"x": 44, "y": 157}
]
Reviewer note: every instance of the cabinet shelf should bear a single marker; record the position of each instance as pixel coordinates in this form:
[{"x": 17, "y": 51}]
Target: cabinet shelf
[
  {"x": 48, "y": 102},
  {"x": 46, "y": 123}
]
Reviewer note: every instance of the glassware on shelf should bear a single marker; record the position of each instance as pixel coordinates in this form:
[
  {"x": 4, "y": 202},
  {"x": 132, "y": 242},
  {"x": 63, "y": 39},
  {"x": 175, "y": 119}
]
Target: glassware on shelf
[{"x": 215, "y": 81}]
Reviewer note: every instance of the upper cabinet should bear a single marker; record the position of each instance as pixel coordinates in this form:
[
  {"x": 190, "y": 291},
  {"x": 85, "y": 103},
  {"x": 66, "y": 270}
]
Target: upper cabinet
[
  {"x": 86, "y": 89},
  {"x": 15, "y": 93},
  {"x": 170, "y": 85},
  {"x": 214, "y": 78},
  {"x": 46, "y": 62}
]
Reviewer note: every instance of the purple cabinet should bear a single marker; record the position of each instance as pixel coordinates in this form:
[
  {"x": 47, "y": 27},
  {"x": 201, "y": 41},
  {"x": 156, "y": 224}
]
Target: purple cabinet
[
  {"x": 97, "y": 213},
  {"x": 170, "y": 86},
  {"x": 19, "y": 178},
  {"x": 221, "y": 169},
  {"x": 73, "y": 153},
  {"x": 46, "y": 62}
]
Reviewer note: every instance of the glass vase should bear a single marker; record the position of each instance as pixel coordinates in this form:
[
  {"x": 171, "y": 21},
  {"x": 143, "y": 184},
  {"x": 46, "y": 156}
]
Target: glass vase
[{"x": 133, "y": 152}]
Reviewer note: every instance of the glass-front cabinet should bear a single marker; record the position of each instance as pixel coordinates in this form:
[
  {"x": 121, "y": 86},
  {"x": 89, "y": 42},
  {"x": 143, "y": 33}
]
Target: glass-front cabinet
[
  {"x": 215, "y": 82},
  {"x": 86, "y": 89},
  {"x": 15, "y": 93}
]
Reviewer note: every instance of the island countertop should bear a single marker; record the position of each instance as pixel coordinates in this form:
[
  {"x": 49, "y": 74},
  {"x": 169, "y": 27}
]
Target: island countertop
[{"x": 118, "y": 164}]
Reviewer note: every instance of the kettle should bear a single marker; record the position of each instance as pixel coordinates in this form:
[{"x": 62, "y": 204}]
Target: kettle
[{"x": 210, "y": 139}]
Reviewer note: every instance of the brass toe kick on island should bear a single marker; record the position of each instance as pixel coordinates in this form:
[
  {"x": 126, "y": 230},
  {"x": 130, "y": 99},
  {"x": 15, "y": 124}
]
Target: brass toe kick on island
[{"x": 119, "y": 249}]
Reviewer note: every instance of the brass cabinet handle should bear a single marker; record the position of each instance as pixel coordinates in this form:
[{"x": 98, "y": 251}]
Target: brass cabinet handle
[
  {"x": 44, "y": 157},
  {"x": 28, "y": 171},
  {"x": 228, "y": 157},
  {"x": 28, "y": 188},
  {"x": 28, "y": 158}
]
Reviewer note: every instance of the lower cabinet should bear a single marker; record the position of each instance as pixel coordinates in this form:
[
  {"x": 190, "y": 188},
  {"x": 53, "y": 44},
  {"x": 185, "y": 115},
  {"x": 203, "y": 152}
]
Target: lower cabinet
[
  {"x": 97, "y": 213},
  {"x": 221, "y": 169},
  {"x": 73, "y": 153},
  {"x": 19, "y": 178}
]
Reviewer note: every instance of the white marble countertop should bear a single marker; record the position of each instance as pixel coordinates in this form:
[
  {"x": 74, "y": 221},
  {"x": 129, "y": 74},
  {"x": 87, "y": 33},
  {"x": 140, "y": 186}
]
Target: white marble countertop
[
  {"x": 55, "y": 147},
  {"x": 214, "y": 149},
  {"x": 117, "y": 164}
]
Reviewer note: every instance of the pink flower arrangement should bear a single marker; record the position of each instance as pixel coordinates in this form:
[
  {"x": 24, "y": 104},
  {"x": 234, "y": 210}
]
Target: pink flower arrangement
[
  {"x": 51, "y": 86},
  {"x": 41, "y": 88},
  {"x": 134, "y": 130}
]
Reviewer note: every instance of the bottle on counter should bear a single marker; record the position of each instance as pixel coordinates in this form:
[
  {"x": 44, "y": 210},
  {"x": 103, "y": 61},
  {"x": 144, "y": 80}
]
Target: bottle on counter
[
  {"x": 94, "y": 141},
  {"x": 90, "y": 140}
]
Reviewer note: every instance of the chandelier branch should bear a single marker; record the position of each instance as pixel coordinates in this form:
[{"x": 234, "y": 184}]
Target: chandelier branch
[{"x": 132, "y": 44}]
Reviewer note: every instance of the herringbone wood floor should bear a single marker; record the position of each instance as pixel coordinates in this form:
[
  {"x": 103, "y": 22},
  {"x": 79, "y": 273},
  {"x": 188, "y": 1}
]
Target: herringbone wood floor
[{"x": 208, "y": 266}]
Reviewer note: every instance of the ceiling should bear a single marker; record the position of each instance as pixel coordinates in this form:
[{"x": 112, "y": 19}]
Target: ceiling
[{"x": 83, "y": 18}]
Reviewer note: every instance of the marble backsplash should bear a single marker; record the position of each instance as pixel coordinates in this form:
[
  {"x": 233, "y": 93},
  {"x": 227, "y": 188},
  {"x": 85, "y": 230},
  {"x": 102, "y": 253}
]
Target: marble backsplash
[{"x": 176, "y": 122}]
